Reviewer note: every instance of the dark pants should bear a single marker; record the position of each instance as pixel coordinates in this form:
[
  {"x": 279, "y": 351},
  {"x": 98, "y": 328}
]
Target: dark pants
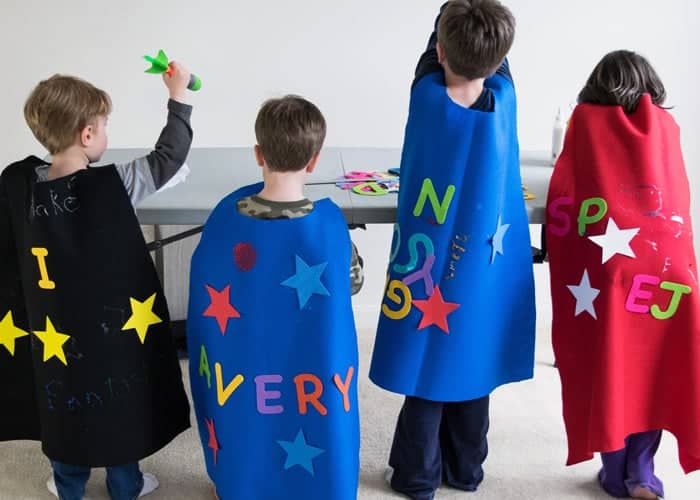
[
  {"x": 124, "y": 482},
  {"x": 439, "y": 441},
  {"x": 632, "y": 466}
]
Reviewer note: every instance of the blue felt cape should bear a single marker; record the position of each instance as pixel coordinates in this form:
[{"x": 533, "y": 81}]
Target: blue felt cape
[
  {"x": 273, "y": 354},
  {"x": 458, "y": 316}
]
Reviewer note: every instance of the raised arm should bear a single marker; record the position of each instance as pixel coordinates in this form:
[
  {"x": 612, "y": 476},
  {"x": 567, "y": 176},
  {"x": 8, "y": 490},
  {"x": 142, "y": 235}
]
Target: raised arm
[
  {"x": 428, "y": 62},
  {"x": 504, "y": 70},
  {"x": 144, "y": 176}
]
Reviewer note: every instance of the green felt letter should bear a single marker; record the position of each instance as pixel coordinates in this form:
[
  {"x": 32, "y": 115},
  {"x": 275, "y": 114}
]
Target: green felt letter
[
  {"x": 427, "y": 191},
  {"x": 204, "y": 366},
  {"x": 678, "y": 292},
  {"x": 584, "y": 219}
]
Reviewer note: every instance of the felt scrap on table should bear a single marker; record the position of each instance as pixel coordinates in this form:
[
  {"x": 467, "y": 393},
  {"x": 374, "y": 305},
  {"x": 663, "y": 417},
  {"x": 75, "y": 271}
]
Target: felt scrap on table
[{"x": 371, "y": 183}]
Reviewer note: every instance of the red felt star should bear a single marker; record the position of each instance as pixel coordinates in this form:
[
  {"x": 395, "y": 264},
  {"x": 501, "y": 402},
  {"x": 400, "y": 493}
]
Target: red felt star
[
  {"x": 435, "y": 310},
  {"x": 213, "y": 441},
  {"x": 221, "y": 307}
]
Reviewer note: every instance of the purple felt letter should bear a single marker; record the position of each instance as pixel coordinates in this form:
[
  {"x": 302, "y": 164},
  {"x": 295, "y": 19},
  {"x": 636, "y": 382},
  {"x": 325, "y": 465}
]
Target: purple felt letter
[
  {"x": 423, "y": 274},
  {"x": 263, "y": 395}
]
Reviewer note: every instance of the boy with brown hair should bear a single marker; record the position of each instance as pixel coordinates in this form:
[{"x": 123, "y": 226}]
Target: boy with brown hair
[
  {"x": 284, "y": 168},
  {"x": 458, "y": 318},
  {"x": 84, "y": 323},
  {"x": 279, "y": 419}
]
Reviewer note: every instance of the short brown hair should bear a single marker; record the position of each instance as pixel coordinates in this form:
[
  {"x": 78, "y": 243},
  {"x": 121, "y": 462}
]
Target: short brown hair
[
  {"x": 60, "y": 107},
  {"x": 475, "y": 36},
  {"x": 290, "y": 131},
  {"x": 620, "y": 79}
]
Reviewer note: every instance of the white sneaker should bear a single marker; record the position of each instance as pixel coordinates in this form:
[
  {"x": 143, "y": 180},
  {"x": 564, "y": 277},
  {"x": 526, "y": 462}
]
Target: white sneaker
[
  {"x": 51, "y": 486},
  {"x": 388, "y": 474},
  {"x": 150, "y": 484}
]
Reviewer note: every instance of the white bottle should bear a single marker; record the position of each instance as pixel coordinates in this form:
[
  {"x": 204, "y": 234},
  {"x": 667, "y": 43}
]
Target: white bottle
[{"x": 558, "y": 132}]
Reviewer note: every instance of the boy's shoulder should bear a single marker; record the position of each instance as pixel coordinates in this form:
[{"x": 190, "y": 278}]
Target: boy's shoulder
[
  {"x": 21, "y": 167},
  {"x": 259, "y": 208},
  {"x": 28, "y": 162},
  {"x": 431, "y": 84}
]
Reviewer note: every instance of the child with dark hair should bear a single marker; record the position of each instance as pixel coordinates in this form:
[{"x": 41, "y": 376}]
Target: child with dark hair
[
  {"x": 626, "y": 312},
  {"x": 620, "y": 79}
]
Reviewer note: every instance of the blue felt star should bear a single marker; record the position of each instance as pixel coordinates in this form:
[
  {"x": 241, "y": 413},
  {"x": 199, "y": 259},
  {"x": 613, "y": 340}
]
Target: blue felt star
[
  {"x": 300, "y": 453},
  {"x": 307, "y": 281},
  {"x": 497, "y": 239}
]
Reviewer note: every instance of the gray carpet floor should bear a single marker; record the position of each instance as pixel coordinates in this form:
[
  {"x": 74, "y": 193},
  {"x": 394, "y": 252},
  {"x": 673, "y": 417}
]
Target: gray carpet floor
[{"x": 526, "y": 460}]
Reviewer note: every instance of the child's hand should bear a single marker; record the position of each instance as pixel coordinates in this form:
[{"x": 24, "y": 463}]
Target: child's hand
[{"x": 177, "y": 81}]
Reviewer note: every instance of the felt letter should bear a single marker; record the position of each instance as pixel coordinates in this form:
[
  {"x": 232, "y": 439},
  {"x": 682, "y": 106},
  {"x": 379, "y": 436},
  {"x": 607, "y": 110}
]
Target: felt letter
[
  {"x": 395, "y": 298},
  {"x": 636, "y": 292},
  {"x": 678, "y": 292},
  {"x": 413, "y": 252},
  {"x": 440, "y": 208},
  {"x": 556, "y": 214},
  {"x": 204, "y": 366},
  {"x": 222, "y": 394},
  {"x": 263, "y": 395},
  {"x": 423, "y": 274},
  {"x": 344, "y": 387},
  {"x": 40, "y": 254},
  {"x": 369, "y": 189},
  {"x": 305, "y": 398},
  {"x": 585, "y": 219}
]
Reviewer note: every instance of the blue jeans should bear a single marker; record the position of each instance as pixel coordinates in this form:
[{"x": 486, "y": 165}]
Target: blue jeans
[{"x": 124, "y": 482}]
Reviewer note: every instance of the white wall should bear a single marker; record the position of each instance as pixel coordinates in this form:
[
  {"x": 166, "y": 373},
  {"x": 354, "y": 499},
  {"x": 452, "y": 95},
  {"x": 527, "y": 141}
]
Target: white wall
[{"x": 353, "y": 58}]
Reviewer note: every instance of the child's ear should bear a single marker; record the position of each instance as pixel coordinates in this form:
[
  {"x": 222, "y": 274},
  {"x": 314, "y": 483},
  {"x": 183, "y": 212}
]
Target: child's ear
[
  {"x": 440, "y": 53},
  {"x": 86, "y": 136},
  {"x": 259, "y": 158},
  {"x": 312, "y": 163}
]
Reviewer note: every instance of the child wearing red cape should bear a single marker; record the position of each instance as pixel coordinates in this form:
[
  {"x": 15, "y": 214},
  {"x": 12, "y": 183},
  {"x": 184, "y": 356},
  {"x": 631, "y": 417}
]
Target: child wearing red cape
[{"x": 624, "y": 279}]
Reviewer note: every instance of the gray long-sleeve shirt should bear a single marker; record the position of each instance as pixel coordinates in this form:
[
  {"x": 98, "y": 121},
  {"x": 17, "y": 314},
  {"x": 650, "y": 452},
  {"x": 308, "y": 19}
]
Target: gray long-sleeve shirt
[{"x": 144, "y": 176}]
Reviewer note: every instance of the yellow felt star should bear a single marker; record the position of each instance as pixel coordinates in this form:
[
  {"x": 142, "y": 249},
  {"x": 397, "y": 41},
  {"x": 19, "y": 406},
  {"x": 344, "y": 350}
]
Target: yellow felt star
[
  {"x": 142, "y": 316},
  {"x": 9, "y": 333},
  {"x": 53, "y": 342}
]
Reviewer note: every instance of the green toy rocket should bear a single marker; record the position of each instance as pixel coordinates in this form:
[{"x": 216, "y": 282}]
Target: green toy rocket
[{"x": 160, "y": 65}]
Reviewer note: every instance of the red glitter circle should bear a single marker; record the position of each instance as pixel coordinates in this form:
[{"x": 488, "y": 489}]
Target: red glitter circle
[{"x": 244, "y": 256}]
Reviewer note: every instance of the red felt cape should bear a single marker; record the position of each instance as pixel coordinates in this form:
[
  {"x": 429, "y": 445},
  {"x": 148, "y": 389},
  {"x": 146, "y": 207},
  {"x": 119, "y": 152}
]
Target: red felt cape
[{"x": 625, "y": 371}]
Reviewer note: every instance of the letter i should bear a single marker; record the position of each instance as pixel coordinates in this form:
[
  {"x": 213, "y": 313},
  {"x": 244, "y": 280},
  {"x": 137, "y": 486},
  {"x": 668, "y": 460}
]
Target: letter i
[{"x": 44, "y": 282}]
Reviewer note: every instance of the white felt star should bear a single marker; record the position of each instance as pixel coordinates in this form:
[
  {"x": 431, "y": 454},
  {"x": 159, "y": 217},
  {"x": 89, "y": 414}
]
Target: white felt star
[
  {"x": 497, "y": 239},
  {"x": 615, "y": 240},
  {"x": 585, "y": 295}
]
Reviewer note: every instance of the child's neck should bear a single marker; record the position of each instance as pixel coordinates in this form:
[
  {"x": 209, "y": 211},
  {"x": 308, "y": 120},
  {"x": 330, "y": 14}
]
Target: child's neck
[
  {"x": 461, "y": 90},
  {"x": 68, "y": 162},
  {"x": 283, "y": 186}
]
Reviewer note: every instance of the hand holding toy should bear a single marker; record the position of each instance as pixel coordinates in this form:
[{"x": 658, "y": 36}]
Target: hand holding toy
[{"x": 160, "y": 65}]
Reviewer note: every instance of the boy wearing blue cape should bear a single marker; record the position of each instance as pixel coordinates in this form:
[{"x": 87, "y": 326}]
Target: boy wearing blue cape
[
  {"x": 271, "y": 334},
  {"x": 458, "y": 316}
]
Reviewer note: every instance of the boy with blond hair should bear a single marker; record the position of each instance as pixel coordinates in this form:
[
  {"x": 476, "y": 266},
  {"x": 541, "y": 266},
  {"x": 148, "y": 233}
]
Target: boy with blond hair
[
  {"x": 458, "y": 318},
  {"x": 84, "y": 327}
]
